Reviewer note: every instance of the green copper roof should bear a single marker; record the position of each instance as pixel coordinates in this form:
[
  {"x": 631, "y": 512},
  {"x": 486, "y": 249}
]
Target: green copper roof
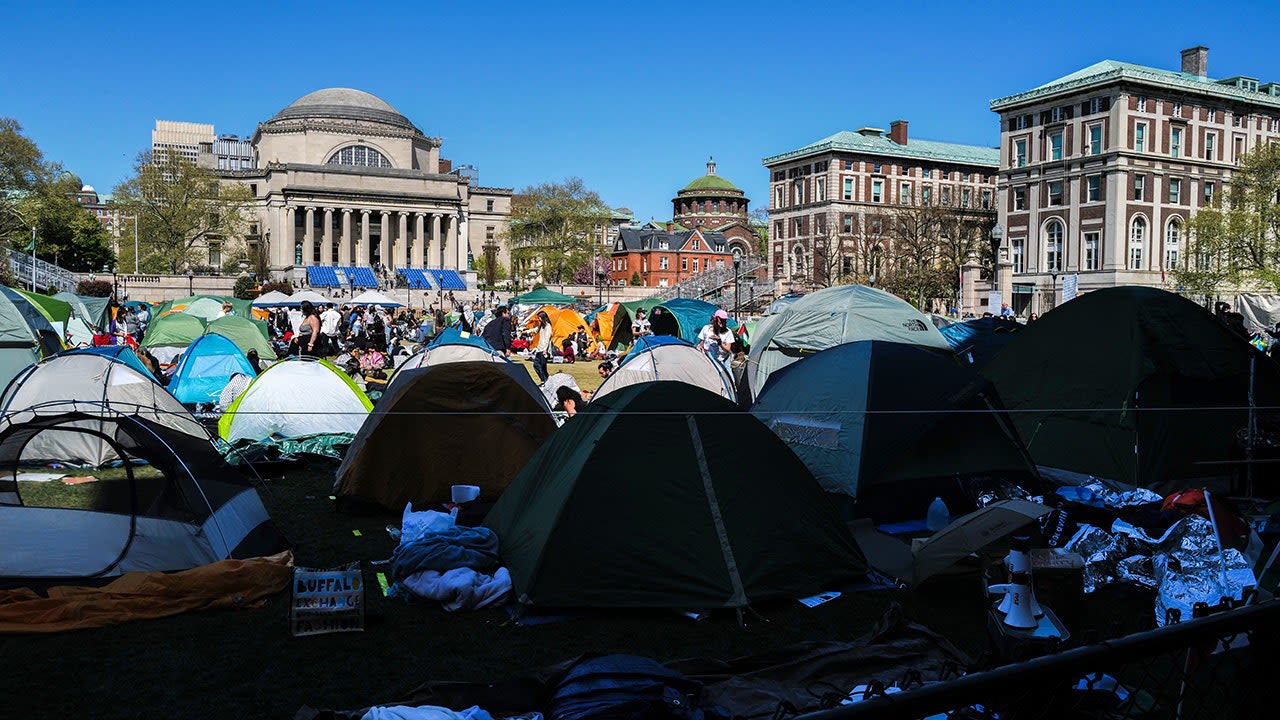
[
  {"x": 880, "y": 145},
  {"x": 711, "y": 182},
  {"x": 1113, "y": 70}
]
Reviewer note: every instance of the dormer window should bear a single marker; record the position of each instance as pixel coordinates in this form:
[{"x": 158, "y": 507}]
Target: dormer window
[
  {"x": 663, "y": 244},
  {"x": 697, "y": 245}
]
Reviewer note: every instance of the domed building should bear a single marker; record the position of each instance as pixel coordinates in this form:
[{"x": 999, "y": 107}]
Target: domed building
[
  {"x": 347, "y": 189},
  {"x": 711, "y": 202}
]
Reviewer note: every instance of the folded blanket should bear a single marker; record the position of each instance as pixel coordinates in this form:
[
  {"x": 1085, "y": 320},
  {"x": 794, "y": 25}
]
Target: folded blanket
[
  {"x": 460, "y": 588},
  {"x": 457, "y": 547}
]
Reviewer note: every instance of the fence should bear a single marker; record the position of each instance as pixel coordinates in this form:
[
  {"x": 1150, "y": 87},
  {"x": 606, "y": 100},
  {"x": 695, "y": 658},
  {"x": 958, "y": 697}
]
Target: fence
[{"x": 1214, "y": 666}]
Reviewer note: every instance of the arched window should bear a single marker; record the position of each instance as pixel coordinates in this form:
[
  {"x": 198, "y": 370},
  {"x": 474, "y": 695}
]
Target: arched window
[
  {"x": 1053, "y": 246},
  {"x": 1172, "y": 239},
  {"x": 1137, "y": 239},
  {"x": 359, "y": 156}
]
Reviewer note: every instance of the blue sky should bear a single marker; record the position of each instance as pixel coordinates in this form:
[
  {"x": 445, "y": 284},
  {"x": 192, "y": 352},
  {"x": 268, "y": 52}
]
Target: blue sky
[{"x": 631, "y": 98}]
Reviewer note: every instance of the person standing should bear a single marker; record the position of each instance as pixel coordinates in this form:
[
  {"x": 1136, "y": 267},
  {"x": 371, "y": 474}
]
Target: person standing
[
  {"x": 543, "y": 347},
  {"x": 329, "y": 320},
  {"x": 498, "y": 331},
  {"x": 640, "y": 326},
  {"x": 716, "y": 340},
  {"x": 308, "y": 331}
]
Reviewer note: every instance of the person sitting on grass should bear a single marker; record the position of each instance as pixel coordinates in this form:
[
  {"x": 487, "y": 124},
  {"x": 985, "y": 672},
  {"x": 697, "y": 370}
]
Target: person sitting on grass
[{"x": 568, "y": 400}]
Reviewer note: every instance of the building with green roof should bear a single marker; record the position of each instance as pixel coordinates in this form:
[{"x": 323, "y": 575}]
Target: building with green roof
[
  {"x": 832, "y": 202},
  {"x": 1101, "y": 168},
  {"x": 712, "y": 203}
]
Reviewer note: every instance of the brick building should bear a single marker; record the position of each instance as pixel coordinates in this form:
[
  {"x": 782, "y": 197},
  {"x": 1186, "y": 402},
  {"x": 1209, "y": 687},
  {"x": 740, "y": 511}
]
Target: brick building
[
  {"x": 831, "y": 201},
  {"x": 713, "y": 203},
  {"x": 663, "y": 258},
  {"x": 1101, "y": 168}
]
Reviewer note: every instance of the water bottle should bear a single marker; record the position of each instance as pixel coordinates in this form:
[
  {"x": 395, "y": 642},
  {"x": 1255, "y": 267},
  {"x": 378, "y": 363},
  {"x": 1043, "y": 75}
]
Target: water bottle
[{"x": 939, "y": 516}]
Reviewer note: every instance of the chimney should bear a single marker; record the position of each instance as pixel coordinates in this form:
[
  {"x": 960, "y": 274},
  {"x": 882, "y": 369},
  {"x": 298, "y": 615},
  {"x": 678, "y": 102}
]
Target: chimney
[
  {"x": 446, "y": 166},
  {"x": 898, "y": 131},
  {"x": 1195, "y": 61},
  {"x": 711, "y": 166}
]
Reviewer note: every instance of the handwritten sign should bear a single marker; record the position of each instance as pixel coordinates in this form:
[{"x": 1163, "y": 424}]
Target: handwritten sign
[{"x": 327, "y": 601}]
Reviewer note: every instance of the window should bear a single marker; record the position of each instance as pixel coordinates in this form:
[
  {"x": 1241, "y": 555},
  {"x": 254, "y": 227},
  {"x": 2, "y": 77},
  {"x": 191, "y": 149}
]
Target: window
[
  {"x": 877, "y": 191},
  {"x": 799, "y": 224},
  {"x": 1020, "y": 153},
  {"x": 822, "y": 189},
  {"x": 215, "y": 254},
  {"x": 1020, "y": 122},
  {"x": 1055, "y": 192},
  {"x": 1175, "y": 191},
  {"x": 1140, "y": 137},
  {"x": 1139, "y": 187},
  {"x": 1208, "y": 192},
  {"x": 946, "y": 195},
  {"x": 924, "y": 172},
  {"x": 1018, "y": 255},
  {"x": 846, "y": 224},
  {"x": 664, "y": 263},
  {"x": 1093, "y": 185},
  {"x": 798, "y": 262},
  {"x": 1175, "y": 142},
  {"x": 966, "y": 196},
  {"x": 1053, "y": 246},
  {"x": 697, "y": 244},
  {"x": 1210, "y": 141},
  {"x": 1091, "y": 251},
  {"x": 1020, "y": 198},
  {"x": 1055, "y": 115},
  {"x": 965, "y": 177},
  {"x": 1055, "y": 146},
  {"x": 1237, "y": 121},
  {"x": 1142, "y": 104},
  {"x": 877, "y": 167},
  {"x": 1172, "y": 236},
  {"x": 1274, "y": 126},
  {"x": 926, "y": 196},
  {"x": 778, "y": 196},
  {"x": 904, "y": 193},
  {"x": 799, "y": 192},
  {"x": 777, "y": 228},
  {"x": 488, "y": 206},
  {"x": 876, "y": 226},
  {"x": 1213, "y": 115},
  {"x": 1095, "y": 106},
  {"x": 664, "y": 244},
  {"x": 848, "y": 188},
  {"x": 1137, "y": 238},
  {"x": 986, "y": 199},
  {"x": 684, "y": 263},
  {"x": 1095, "y": 139},
  {"x": 359, "y": 156},
  {"x": 1177, "y": 109},
  {"x": 848, "y": 164}
]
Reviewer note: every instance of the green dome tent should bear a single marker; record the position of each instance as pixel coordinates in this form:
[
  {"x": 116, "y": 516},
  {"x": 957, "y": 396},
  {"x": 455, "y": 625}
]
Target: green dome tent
[
  {"x": 173, "y": 330},
  {"x": 25, "y": 334},
  {"x": 245, "y": 333},
  {"x": 542, "y": 296},
  {"x": 725, "y": 515},
  {"x": 206, "y": 307}
]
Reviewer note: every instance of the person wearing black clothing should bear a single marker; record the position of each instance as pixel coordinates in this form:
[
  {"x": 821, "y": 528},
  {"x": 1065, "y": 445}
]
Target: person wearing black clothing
[{"x": 498, "y": 332}]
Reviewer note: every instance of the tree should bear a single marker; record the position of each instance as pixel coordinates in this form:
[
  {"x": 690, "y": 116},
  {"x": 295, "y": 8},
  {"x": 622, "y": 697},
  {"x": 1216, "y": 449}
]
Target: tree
[
  {"x": 245, "y": 288},
  {"x": 94, "y": 288},
  {"x": 1236, "y": 241},
  {"x": 590, "y": 272},
  {"x": 553, "y": 228},
  {"x": 490, "y": 272},
  {"x": 758, "y": 219},
  {"x": 635, "y": 279},
  {"x": 178, "y": 207},
  {"x": 23, "y": 170}
]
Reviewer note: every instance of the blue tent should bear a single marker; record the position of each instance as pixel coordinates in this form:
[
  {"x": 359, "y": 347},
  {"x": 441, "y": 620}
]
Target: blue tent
[
  {"x": 455, "y": 336},
  {"x": 119, "y": 353},
  {"x": 893, "y": 425},
  {"x": 206, "y": 368},
  {"x": 690, "y": 316},
  {"x": 979, "y": 340}
]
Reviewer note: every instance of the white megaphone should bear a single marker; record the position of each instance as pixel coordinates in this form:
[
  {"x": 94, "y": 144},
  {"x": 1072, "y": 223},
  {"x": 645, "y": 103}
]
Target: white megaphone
[
  {"x": 1018, "y": 597},
  {"x": 1018, "y": 561}
]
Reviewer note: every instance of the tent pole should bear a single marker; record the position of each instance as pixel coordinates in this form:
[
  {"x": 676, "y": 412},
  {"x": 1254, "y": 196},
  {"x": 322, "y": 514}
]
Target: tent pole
[{"x": 1250, "y": 428}]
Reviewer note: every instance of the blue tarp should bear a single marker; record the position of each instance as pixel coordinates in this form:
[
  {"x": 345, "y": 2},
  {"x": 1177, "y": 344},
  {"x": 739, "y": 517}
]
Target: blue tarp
[{"x": 206, "y": 368}]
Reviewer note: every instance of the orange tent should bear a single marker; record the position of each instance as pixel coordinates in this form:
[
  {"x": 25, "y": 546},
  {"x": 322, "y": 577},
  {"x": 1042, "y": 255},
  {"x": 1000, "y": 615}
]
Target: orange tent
[
  {"x": 612, "y": 326},
  {"x": 564, "y": 322}
]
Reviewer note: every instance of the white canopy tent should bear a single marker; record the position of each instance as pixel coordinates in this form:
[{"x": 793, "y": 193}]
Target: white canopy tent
[{"x": 373, "y": 297}]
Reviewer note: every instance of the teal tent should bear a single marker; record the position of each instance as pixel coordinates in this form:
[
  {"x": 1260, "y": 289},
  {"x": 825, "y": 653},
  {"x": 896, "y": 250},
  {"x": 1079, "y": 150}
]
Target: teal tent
[
  {"x": 206, "y": 368},
  {"x": 977, "y": 341},
  {"x": 690, "y": 316},
  {"x": 247, "y": 334},
  {"x": 25, "y": 334},
  {"x": 721, "y": 516},
  {"x": 543, "y": 296}
]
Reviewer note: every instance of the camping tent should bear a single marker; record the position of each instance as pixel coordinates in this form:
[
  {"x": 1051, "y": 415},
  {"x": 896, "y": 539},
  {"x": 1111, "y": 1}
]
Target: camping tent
[
  {"x": 92, "y": 310},
  {"x": 273, "y": 298},
  {"x": 469, "y": 423},
  {"x": 197, "y": 511},
  {"x": 668, "y": 358},
  {"x": 205, "y": 368},
  {"x": 310, "y": 296},
  {"x": 564, "y": 322},
  {"x": 294, "y": 398},
  {"x": 451, "y": 345},
  {"x": 87, "y": 381},
  {"x": 245, "y": 333},
  {"x": 66, "y": 320},
  {"x": 373, "y": 297},
  {"x": 123, "y": 353},
  {"x": 830, "y": 317},
  {"x": 1133, "y": 384},
  {"x": 892, "y": 425},
  {"x": 168, "y": 335},
  {"x": 542, "y": 296},
  {"x": 690, "y": 316},
  {"x": 723, "y": 516},
  {"x": 979, "y": 340},
  {"x": 25, "y": 334},
  {"x": 612, "y": 324},
  {"x": 206, "y": 307}
]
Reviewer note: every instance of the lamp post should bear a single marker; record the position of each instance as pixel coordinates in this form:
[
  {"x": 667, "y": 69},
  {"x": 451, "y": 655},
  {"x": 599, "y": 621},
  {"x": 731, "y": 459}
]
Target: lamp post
[
  {"x": 191, "y": 283},
  {"x": 600, "y": 276},
  {"x": 737, "y": 297},
  {"x": 1053, "y": 293}
]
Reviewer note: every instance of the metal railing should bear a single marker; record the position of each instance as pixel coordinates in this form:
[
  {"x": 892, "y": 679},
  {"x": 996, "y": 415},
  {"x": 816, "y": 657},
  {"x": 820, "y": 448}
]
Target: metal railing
[
  {"x": 707, "y": 283},
  {"x": 46, "y": 274}
]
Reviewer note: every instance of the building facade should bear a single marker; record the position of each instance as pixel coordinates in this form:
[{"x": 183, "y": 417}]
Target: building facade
[
  {"x": 663, "y": 258},
  {"x": 184, "y": 139},
  {"x": 832, "y": 202},
  {"x": 713, "y": 203},
  {"x": 1100, "y": 170}
]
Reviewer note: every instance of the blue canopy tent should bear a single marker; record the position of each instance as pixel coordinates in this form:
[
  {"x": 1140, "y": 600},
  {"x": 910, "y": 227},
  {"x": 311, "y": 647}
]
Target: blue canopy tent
[
  {"x": 206, "y": 368},
  {"x": 979, "y": 340},
  {"x": 455, "y": 336}
]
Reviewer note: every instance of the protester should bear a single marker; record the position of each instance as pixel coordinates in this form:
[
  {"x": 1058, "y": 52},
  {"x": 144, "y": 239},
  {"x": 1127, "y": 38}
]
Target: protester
[
  {"x": 329, "y": 320},
  {"x": 568, "y": 400},
  {"x": 498, "y": 332},
  {"x": 308, "y": 331},
  {"x": 605, "y": 369},
  {"x": 543, "y": 347},
  {"x": 715, "y": 339},
  {"x": 640, "y": 326}
]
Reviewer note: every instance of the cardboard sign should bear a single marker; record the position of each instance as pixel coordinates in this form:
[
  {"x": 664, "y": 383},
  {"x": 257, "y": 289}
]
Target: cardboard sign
[
  {"x": 994, "y": 301},
  {"x": 1070, "y": 287},
  {"x": 327, "y": 601}
]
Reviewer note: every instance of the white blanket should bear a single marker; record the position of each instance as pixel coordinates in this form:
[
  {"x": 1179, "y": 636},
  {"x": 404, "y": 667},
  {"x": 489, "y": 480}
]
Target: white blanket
[
  {"x": 425, "y": 712},
  {"x": 460, "y": 588}
]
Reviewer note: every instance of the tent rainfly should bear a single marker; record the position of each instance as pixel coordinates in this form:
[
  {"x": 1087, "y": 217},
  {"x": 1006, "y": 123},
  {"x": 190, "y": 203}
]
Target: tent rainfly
[
  {"x": 451, "y": 345},
  {"x": 295, "y": 398},
  {"x": 373, "y": 297},
  {"x": 668, "y": 359},
  {"x": 205, "y": 368}
]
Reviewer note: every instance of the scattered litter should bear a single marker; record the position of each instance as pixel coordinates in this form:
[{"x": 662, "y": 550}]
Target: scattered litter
[
  {"x": 357, "y": 533},
  {"x": 38, "y": 476},
  {"x": 79, "y": 480},
  {"x": 814, "y": 601},
  {"x": 382, "y": 583}
]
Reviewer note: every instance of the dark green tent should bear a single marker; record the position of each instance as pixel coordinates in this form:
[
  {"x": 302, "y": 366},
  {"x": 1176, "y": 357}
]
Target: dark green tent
[
  {"x": 1132, "y": 384},
  {"x": 722, "y": 515},
  {"x": 543, "y": 296}
]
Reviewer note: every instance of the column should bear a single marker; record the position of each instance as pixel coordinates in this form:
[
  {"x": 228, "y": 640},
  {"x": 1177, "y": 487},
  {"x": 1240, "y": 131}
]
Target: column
[
  {"x": 290, "y": 235},
  {"x": 384, "y": 242},
  {"x": 362, "y": 251},
  {"x": 419, "y": 239},
  {"x": 309, "y": 237},
  {"x": 326, "y": 244},
  {"x": 451, "y": 244},
  {"x": 436, "y": 257},
  {"x": 402, "y": 239},
  {"x": 344, "y": 245}
]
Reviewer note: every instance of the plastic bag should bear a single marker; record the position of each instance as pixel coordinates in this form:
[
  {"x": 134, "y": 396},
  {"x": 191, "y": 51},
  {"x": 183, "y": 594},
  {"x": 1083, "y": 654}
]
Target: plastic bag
[{"x": 415, "y": 525}]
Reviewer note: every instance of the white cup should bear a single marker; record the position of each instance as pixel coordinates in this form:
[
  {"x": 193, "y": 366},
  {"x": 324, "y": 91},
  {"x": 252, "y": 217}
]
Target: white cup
[{"x": 465, "y": 493}]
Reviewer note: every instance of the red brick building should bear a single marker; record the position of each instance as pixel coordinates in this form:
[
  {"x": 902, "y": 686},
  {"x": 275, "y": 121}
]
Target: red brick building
[
  {"x": 711, "y": 202},
  {"x": 662, "y": 258}
]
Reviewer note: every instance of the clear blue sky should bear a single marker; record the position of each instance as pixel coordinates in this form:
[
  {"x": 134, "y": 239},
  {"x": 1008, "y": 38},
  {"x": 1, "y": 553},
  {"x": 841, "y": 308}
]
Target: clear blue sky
[{"x": 632, "y": 99}]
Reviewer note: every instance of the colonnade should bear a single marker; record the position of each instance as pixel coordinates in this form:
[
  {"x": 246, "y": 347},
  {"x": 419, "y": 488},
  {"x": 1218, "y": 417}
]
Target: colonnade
[{"x": 364, "y": 236}]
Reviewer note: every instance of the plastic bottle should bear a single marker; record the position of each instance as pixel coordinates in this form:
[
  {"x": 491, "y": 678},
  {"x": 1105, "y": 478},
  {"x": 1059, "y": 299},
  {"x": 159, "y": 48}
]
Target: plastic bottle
[{"x": 939, "y": 516}]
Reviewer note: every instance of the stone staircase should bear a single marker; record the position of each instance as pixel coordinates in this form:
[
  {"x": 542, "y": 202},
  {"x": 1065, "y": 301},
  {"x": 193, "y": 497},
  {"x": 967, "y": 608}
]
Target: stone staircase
[
  {"x": 713, "y": 283},
  {"x": 46, "y": 274}
]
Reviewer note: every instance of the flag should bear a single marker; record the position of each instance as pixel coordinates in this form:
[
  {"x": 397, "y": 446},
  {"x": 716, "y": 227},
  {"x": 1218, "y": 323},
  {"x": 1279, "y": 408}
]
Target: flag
[{"x": 31, "y": 246}]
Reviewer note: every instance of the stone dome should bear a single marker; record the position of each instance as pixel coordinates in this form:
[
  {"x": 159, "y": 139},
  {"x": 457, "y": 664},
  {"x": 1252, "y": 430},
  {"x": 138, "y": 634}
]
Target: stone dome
[
  {"x": 711, "y": 182},
  {"x": 343, "y": 104}
]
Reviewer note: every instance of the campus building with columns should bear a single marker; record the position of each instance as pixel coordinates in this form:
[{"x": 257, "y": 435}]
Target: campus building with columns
[{"x": 344, "y": 180}]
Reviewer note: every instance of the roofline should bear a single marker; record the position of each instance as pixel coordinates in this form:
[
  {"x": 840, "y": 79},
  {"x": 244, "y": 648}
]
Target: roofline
[
  {"x": 1120, "y": 74},
  {"x": 833, "y": 146}
]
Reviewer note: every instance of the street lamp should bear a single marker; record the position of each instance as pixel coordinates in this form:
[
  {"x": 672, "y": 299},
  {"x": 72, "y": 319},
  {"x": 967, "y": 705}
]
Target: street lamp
[
  {"x": 191, "y": 283},
  {"x": 1053, "y": 295},
  {"x": 600, "y": 276},
  {"x": 737, "y": 297}
]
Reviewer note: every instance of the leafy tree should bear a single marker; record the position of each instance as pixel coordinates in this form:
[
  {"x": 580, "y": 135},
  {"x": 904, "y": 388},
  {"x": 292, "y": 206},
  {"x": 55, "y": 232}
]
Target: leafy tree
[
  {"x": 590, "y": 271},
  {"x": 1236, "y": 241},
  {"x": 245, "y": 288},
  {"x": 553, "y": 228},
  {"x": 179, "y": 206},
  {"x": 284, "y": 286},
  {"x": 490, "y": 274},
  {"x": 759, "y": 222},
  {"x": 635, "y": 279},
  {"x": 23, "y": 170},
  {"x": 94, "y": 288}
]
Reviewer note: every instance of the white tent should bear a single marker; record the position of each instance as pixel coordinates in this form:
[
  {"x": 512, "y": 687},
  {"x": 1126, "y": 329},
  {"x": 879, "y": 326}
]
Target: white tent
[
  {"x": 295, "y": 398},
  {"x": 373, "y": 297},
  {"x": 668, "y": 358},
  {"x": 275, "y": 298},
  {"x": 311, "y": 296}
]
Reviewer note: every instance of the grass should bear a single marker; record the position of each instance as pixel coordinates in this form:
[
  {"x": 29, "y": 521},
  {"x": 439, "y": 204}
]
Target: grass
[{"x": 244, "y": 663}]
